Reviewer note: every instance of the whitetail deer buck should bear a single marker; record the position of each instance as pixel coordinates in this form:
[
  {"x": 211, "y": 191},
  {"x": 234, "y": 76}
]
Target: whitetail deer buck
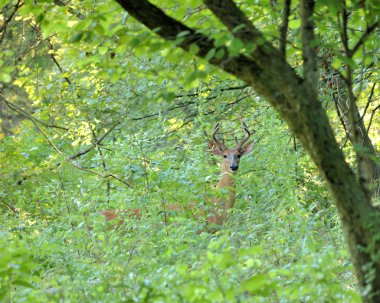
[
  {"x": 219, "y": 206},
  {"x": 230, "y": 164}
]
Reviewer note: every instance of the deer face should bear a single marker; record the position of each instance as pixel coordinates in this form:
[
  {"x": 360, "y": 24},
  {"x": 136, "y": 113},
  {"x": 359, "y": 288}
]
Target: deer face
[{"x": 231, "y": 157}]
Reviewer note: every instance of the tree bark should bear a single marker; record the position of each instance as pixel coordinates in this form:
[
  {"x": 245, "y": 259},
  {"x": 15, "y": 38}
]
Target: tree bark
[
  {"x": 370, "y": 168},
  {"x": 274, "y": 79}
]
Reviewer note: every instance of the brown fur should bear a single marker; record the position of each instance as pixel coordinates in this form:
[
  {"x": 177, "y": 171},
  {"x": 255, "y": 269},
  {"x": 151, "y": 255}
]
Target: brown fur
[{"x": 229, "y": 157}]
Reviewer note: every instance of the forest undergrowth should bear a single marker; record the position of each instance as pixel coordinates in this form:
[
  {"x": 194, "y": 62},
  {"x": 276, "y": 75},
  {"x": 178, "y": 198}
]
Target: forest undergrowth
[{"x": 280, "y": 243}]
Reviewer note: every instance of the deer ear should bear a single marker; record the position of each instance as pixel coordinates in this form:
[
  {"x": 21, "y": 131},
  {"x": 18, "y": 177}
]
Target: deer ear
[
  {"x": 214, "y": 149},
  {"x": 247, "y": 148}
]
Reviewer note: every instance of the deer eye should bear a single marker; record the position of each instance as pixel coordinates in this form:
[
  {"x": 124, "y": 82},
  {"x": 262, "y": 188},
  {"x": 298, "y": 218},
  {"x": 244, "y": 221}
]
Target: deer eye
[
  {"x": 239, "y": 156},
  {"x": 224, "y": 156}
]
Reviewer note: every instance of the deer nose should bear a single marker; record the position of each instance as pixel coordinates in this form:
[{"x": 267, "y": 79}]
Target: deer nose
[{"x": 234, "y": 167}]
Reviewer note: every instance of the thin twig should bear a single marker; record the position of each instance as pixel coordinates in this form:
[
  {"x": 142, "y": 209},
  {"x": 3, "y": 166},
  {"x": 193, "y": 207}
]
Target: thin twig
[
  {"x": 23, "y": 113},
  {"x": 207, "y": 90},
  {"x": 104, "y": 165},
  {"x": 369, "y": 101},
  {"x": 343, "y": 33},
  {"x": 52, "y": 56},
  {"x": 12, "y": 208},
  {"x": 109, "y": 175},
  {"x": 370, "y": 120},
  {"x": 362, "y": 39},
  {"x": 3, "y": 29},
  {"x": 98, "y": 141}
]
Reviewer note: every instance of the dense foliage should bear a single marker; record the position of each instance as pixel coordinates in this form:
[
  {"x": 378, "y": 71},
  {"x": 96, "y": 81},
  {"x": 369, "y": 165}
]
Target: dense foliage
[{"x": 99, "y": 113}]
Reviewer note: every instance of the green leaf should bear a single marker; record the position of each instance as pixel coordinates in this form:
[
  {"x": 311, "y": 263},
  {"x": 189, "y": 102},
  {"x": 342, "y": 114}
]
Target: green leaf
[
  {"x": 5, "y": 77},
  {"x": 294, "y": 24},
  {"x": 3, "y": 3},
  {"x": 254, "y": 250},
  {"x": 210, "y": 54},
  {"x": 103, "y": 50},
  {"x": 333, "y": 6},
  {"x": 193, "y": 49},
  {"x": 337, "y": 63},
  {"x": 76, "y": 37},
  {"x": 255, "y": 283},
  {"x": 22, "y": 283},
  {"x": 220, "y": 53},
  {"x": 250, "y": 47},
  {"x": 183, "y": 34},
  {"x": 3, "y": 292},
  {"x": 235, "y": 47}
]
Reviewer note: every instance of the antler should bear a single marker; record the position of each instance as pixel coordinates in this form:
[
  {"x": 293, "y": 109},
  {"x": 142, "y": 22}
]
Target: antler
[
  {"x": 214, "y": 131},
  {"x": 246, "y": 137}
]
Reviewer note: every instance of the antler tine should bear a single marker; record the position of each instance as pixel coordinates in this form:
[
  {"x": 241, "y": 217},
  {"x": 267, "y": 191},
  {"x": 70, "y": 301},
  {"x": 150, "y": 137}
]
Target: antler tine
[
  {"x": 247, "y": 135},
  {"x": 214, "y": 131}
]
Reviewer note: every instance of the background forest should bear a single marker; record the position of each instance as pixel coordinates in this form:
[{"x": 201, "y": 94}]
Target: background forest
[{"x": 98, "y": 113}]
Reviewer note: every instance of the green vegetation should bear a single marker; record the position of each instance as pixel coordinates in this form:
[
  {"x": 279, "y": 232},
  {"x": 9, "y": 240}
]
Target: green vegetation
[{"x": 98, "y": 112}]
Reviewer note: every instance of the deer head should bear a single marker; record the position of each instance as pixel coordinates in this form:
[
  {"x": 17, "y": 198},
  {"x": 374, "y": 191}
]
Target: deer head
[{"x": 231, "y": 156}]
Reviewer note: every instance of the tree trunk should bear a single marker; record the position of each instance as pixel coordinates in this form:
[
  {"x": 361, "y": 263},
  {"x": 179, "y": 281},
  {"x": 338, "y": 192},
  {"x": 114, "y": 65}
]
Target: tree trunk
[{"x": 370, "y": 169}]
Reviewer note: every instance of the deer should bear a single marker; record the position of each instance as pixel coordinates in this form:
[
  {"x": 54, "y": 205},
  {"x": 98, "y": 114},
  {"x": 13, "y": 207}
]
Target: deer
[
  {"x": 229, "y": 166},
  {"x": 219, "y": 208}
]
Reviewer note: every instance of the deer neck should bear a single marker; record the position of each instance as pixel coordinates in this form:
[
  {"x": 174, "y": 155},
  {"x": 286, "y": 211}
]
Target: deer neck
[{"x": 227, "y": 181}]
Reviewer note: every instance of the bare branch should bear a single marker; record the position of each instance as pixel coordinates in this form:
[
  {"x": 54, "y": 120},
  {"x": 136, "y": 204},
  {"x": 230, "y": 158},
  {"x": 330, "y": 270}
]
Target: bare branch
[
  {"x": 370, "y": 99},
  {"x": 372, "y": 115},
  {"x": 104, "y": 165},
  {"x": 97, "y": 143},
  {"x": 365, "y": 35},
  {"x": 207, "y": 90},
  {"x": 52, "y": 56},
  {"x": 284, "y": 27},
  {"x": 23, "y": 113},
  {"x": 69, "y": 160},
  {"x": 344, "y": 33},
  {"x": 109, "y": 175},
  {"x": 10, "y": 207},
  {"x": 9, "y": 19},
  {"x": 340, "y": 116},
  {"x": 37, "y": 29},
  {"x": 309, "y": 48}
]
